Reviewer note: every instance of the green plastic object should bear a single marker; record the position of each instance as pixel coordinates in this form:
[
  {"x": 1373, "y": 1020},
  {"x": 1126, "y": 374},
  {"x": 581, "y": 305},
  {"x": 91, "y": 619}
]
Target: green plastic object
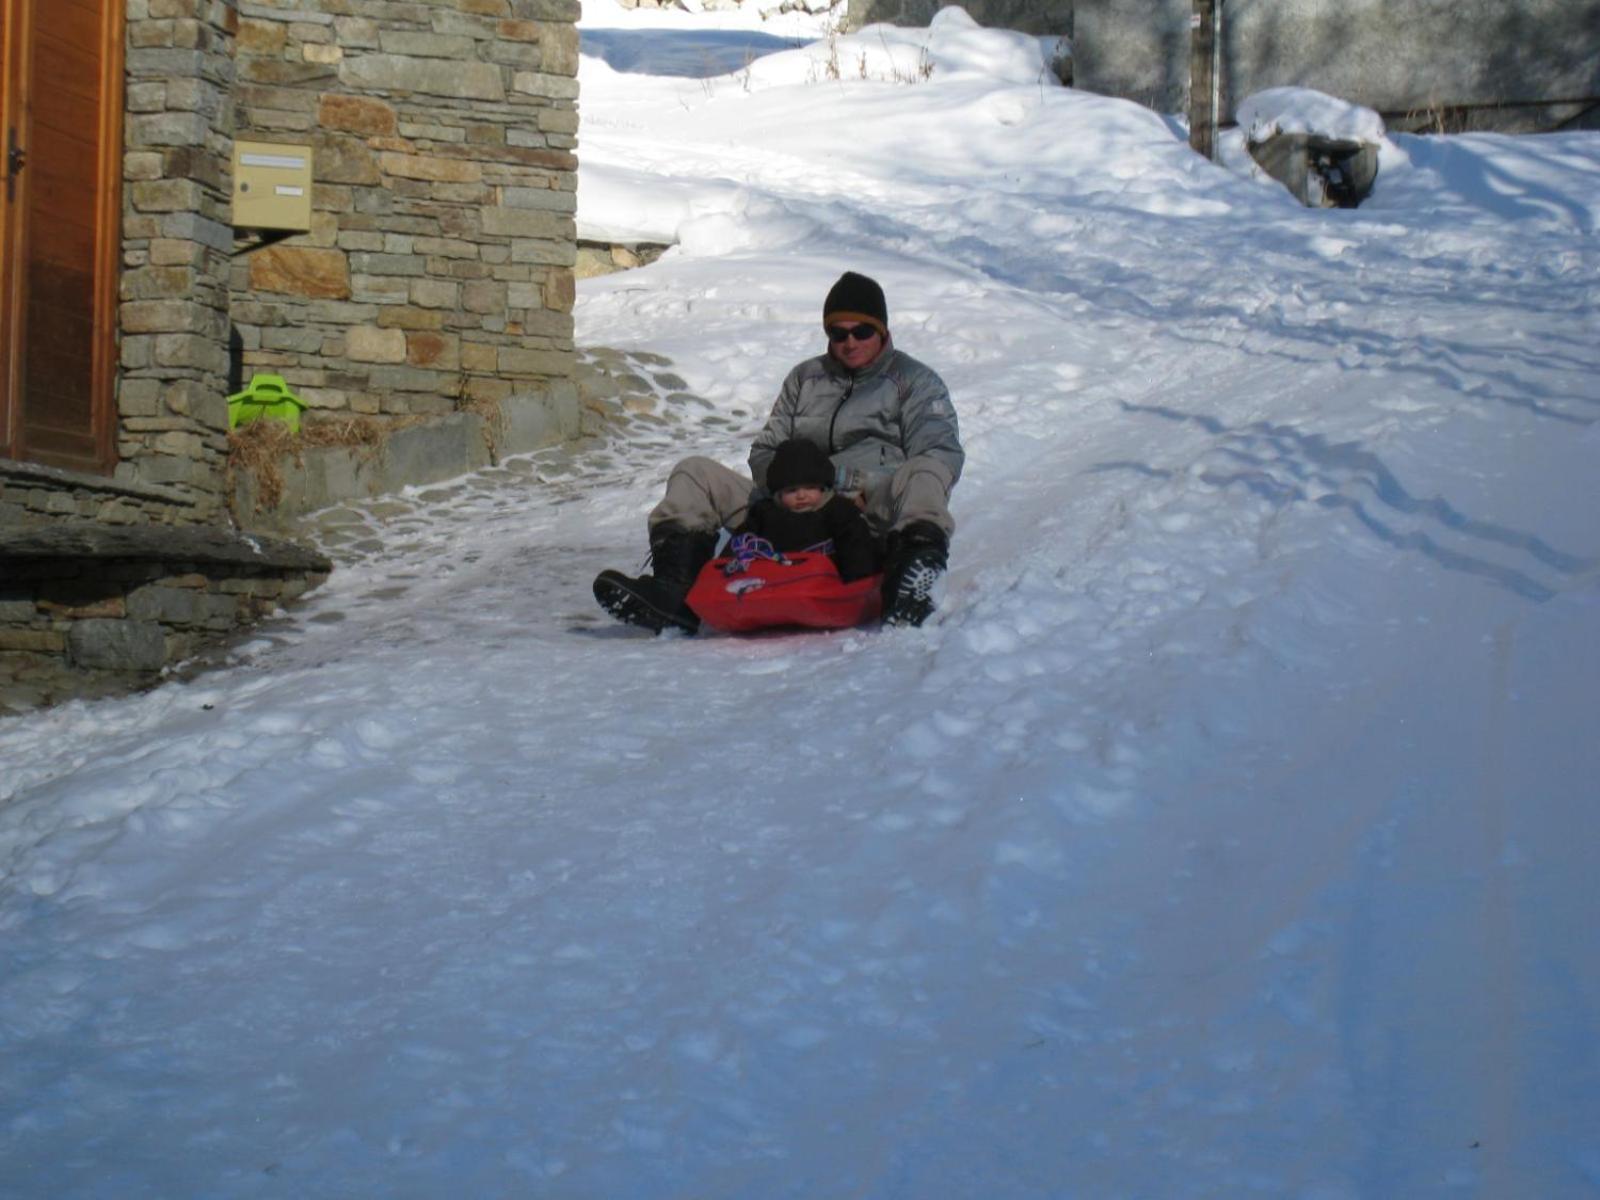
[{"x": 267, "y": 398}]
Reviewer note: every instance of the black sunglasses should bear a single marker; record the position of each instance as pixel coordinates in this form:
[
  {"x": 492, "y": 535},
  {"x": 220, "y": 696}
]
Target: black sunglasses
[{"x": 861, "y": 333}]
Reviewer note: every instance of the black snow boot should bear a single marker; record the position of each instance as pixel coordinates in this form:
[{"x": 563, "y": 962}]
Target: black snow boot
[
  {"x": 916, "y": 558},
  {"x": 655, "y": 601}
]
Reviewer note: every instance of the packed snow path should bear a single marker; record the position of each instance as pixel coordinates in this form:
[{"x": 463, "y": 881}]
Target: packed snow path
[{"x": 1228, "y": 832}]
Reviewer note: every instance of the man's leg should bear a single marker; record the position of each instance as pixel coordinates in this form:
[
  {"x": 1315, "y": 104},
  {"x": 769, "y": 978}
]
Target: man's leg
[
  {"x": 915, "y": 507},
  {"x": 918, "y": 491},
  {"x": 702, "y": 495}
]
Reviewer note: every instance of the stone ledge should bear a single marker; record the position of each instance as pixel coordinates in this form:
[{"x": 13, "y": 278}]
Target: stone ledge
[
  {"x": 38, "y": 475},
  {"x": 206, "y": 545},
  {"x": 93, "y": 609}
]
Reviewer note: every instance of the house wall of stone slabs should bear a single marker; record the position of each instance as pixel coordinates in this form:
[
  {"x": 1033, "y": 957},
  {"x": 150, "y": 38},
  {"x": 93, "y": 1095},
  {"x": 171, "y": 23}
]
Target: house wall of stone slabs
[
  {"x": 438, "y": 270},
  {"x": 176, "y": 239}
]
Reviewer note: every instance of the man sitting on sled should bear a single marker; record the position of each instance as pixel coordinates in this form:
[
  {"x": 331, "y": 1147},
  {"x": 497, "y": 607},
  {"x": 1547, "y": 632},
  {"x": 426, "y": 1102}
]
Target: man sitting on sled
[{"x": 886, "y": 423}]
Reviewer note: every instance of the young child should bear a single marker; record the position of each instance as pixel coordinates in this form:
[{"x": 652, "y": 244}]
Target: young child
[{"x": 803, "y": 513}]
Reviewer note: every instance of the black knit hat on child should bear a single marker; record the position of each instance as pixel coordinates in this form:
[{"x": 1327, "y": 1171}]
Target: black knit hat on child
[
  {"x": 796, "y": 463},
  {"x": 856, "y": 298}
]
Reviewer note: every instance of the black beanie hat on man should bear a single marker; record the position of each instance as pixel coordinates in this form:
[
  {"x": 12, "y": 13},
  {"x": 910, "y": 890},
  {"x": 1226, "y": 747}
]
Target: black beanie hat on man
[
  {"x": 796, "y": 463},
  {"x": 856, "y": 298}
]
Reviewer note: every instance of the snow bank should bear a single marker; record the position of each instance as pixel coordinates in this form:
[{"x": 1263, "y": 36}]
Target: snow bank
[
  {"x": 1550, "y": 180},
  {"x": 954, "y": 45},
  {"x": 1303, "y": 110}
]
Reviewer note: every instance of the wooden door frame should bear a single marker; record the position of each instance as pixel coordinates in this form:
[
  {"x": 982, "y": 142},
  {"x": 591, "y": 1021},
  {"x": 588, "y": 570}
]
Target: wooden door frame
[
  {"x": 14, "y": 16},
  {"x": 14, "y": 97}
]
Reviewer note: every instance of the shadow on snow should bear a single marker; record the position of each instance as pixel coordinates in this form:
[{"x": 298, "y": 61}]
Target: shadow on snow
[{"x": 703, "y": 54}]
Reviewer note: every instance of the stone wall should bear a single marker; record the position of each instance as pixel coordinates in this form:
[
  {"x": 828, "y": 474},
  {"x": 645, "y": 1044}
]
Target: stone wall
[
  {"x": 1495, "y": 64},
  {"x": 432, "y": 296},
  {"x": 139, "y": 599},
  {"x": 32, "y": 494},
  {"x": 438, "y": 274},
  {"x": 314, "y": 477},
  {"x": 171, "y": 399},
  {"x": 438, "y": 271}
]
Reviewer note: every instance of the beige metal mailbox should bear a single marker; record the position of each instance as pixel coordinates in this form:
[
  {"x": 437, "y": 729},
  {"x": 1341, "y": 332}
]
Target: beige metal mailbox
[{"x": 271, "y": 186}]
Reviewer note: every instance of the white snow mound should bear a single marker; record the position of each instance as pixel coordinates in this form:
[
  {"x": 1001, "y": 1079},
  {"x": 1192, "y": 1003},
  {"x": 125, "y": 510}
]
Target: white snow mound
[{"x": 1304, "y": 110}]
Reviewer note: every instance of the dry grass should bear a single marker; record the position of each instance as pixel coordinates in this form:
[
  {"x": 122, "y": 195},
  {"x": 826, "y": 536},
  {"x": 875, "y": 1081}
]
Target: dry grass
[
  {"x": 488, "y": 409},
  {"x": 261, "y": 447}
]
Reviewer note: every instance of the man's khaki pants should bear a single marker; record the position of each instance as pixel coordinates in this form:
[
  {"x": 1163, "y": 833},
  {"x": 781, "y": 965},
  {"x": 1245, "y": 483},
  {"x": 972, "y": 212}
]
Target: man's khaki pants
[{"x": 702, "y": 494}]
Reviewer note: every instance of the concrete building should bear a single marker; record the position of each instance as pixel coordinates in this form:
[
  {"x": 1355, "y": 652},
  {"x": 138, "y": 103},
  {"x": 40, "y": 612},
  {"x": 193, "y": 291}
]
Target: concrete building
[{"x": 1444, "y": 65}]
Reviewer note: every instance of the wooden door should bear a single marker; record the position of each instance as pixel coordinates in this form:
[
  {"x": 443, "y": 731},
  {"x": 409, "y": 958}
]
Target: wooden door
[{"x": 60, "y": 223}]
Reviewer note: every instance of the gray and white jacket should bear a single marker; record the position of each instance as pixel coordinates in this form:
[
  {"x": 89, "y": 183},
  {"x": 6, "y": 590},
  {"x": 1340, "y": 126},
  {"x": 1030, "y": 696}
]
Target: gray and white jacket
[{"x": 869, "y": 421}]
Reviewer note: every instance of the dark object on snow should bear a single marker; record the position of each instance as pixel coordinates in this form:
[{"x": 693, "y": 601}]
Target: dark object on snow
[
  {"x": 656, "y": 601},
  {"x": 743, "y": 596},
  {"x": 797, "y": 462},
  {"x": 1320, "y": 172},
  {"x": 917, "y": 557}
]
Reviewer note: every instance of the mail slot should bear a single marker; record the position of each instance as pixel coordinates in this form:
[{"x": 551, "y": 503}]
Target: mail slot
[{"x": 271, "y": 186}]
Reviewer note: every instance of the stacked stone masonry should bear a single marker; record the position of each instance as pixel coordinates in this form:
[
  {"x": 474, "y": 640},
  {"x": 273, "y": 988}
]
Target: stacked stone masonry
[
  {"x": 177, "y": 144},
  {"x": 139, "y": 599},
  {"x": 437, "y": 278},
  {"x": 438, "y": 272},
  {"x": 32, "y": 495},
  {"x": 132, "y": 616}
]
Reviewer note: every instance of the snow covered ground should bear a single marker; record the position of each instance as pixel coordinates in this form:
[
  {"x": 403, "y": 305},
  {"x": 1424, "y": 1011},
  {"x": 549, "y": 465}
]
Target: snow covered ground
[{"x": 1229, "y": 832}]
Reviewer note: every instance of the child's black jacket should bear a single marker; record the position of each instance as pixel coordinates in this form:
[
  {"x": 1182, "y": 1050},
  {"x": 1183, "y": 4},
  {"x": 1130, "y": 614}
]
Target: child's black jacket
[{"x": 839, "y": 521}]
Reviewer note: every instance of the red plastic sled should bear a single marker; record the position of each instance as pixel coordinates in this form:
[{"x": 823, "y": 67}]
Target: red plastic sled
[{"x": 801, "y": 589}]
